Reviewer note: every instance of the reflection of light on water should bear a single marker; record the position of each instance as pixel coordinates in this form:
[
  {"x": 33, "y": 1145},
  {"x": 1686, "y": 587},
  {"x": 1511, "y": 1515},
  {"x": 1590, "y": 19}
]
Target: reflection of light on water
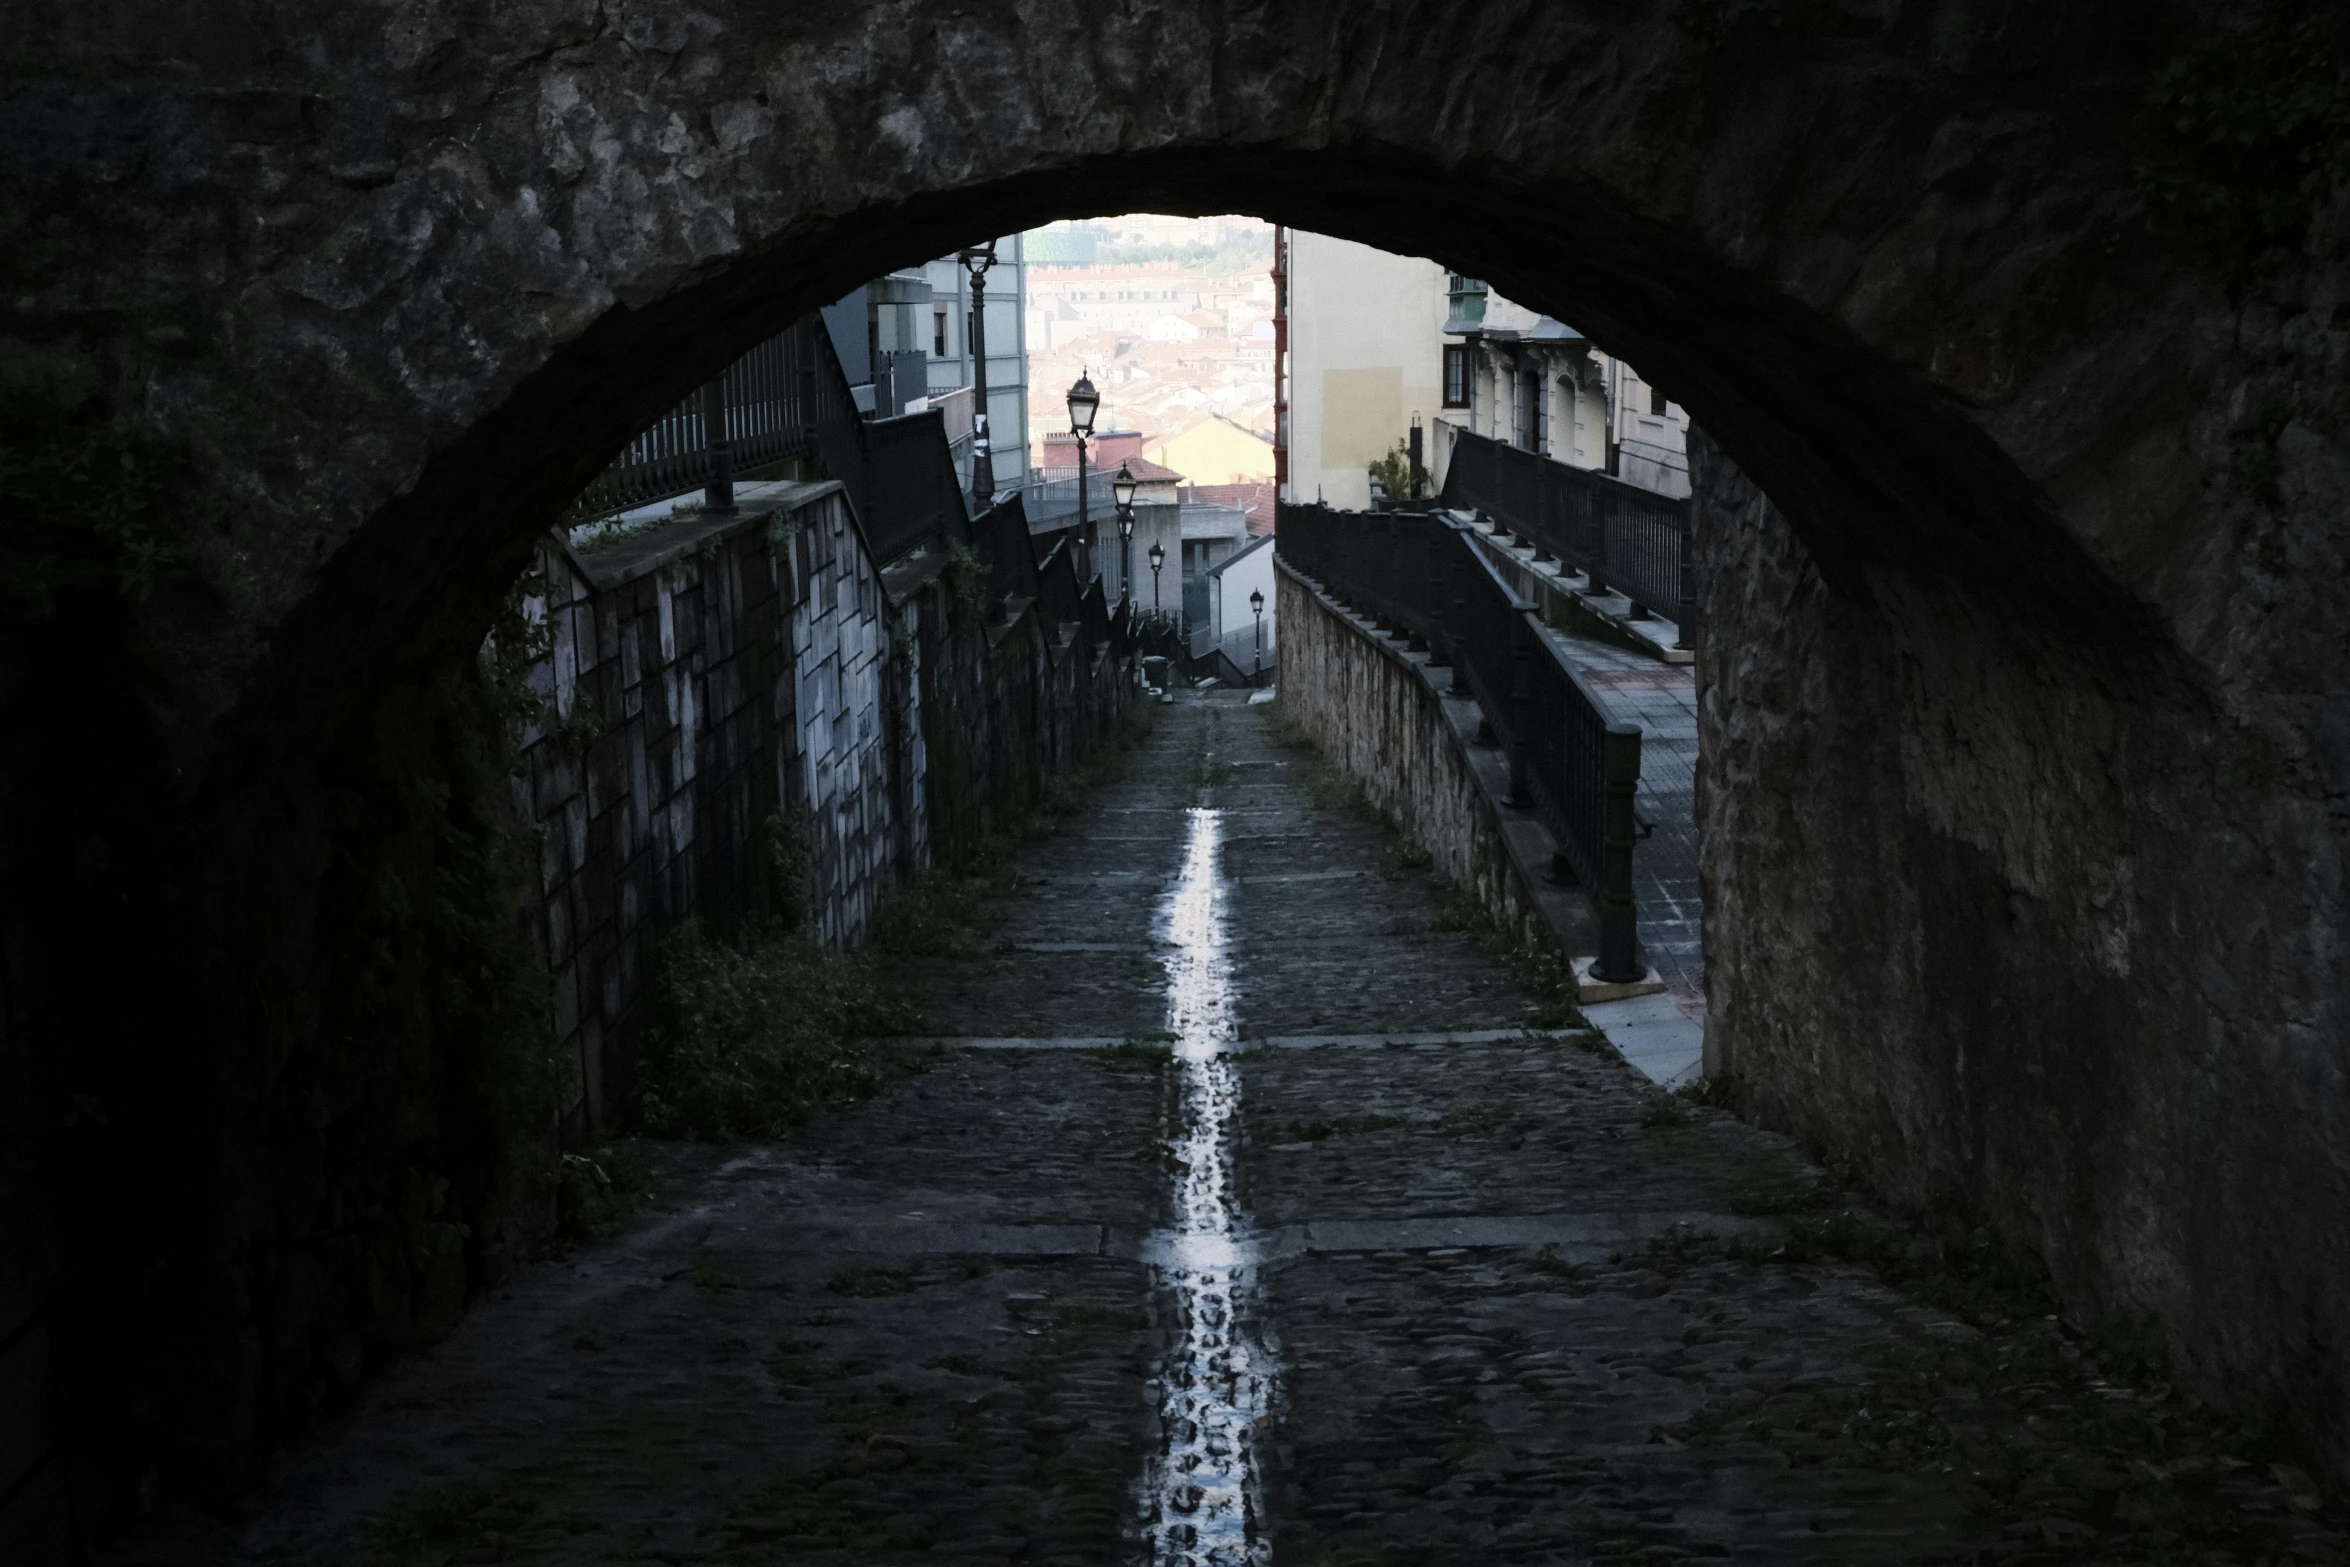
[{"x": 1201, "y": 1499}]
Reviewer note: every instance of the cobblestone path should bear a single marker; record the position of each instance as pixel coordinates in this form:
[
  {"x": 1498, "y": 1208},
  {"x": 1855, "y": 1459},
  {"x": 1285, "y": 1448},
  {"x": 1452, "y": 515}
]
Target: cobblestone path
[{"x": 1510, "y": 1304}]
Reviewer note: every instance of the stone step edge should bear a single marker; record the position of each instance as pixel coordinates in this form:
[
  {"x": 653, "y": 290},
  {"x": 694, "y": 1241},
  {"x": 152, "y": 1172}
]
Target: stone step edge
[{"x": 1470, "y": 1036}]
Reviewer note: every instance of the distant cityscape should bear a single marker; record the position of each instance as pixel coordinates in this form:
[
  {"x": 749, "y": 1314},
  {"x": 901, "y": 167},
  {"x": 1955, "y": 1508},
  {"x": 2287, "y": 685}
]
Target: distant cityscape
[{"x": 1172, "y": 318}]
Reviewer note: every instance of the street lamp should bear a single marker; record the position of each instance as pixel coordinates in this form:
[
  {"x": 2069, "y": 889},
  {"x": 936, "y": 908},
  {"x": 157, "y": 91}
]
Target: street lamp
[
  {"x": 1084, "y": 403},
  {"x": 1158, "y": 555},
  {"x": 1122, "y": 487},
  {"x": 976, "y": 259},
  {"x": 1256, "y": 604}
]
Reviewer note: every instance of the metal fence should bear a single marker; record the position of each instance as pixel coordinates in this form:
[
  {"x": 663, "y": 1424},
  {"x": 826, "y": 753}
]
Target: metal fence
[
  {"x": 1570, "y": 758},
  {"x": 1632, "y": 540},
  {"x": 769, "y": 406},
  {"x": 912, "y": 492}
]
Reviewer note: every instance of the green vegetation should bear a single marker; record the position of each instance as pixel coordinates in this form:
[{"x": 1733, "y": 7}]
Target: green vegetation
[
  {"x": 944, "y": 914},
  {"x": 2084, "y": 1437},
  {"x": 872, "y": 1283},
  {"x": 1549, "y": 974},
  {"x": 2253, "y": 127},
  {"x": 476, "y": 1518},
  {"x": 1394, "y": 475},
  {"x": 1344, "y": 1126},
  {"x": 1142, "y": 1057},
  {"x": 2257, "y": 467},
  {"x": 435, "y": 1012},
  {"x": 85, "y": 505},
  {"x": 599, "y": 1188},
  {"x": 755, "y": 1036}
]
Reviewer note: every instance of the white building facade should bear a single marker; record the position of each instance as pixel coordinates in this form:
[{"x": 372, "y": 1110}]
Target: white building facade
[{"x": 1379, "y": 343}]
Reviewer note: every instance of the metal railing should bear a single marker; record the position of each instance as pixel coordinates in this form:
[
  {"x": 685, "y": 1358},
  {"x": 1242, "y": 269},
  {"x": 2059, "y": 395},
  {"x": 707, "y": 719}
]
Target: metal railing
[
  {"x": 1571, "y": 760},
  {"x": 769, "y": 406},
  {"x": 1622, "y": 537},
  {"x": 1383, "y": 563},
  {"x": 912, "y": 492}
]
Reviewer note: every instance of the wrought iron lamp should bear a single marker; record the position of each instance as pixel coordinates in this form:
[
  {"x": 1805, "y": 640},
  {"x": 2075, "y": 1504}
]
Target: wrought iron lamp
[
  {"x": 1084, "y": 403},
  {"x": 1256, "y": 604},
  {"x": 976, "y": 259},
  {"x": 1122, "y": 487}
]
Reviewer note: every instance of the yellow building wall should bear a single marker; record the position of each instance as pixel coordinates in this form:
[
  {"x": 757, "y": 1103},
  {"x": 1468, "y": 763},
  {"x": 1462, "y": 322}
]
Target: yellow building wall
[
  {"x": 1215, "y": 451},
  {"x": 1362, "y": 415}
]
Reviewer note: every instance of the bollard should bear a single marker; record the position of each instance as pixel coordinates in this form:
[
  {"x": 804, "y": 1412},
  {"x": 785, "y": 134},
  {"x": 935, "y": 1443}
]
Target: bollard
[
  {"x": 718, "y": 494},
  {"x": 1619, "y": 941}
]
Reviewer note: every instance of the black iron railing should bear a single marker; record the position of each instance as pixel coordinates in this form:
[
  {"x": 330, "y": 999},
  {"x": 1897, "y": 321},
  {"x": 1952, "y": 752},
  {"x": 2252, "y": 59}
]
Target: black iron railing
[
  {"x": 912, "y": 492},
  {"x": 1385, "y": 564},
  {"x": 772, "y": 405},
  {"x": 1621, "y": 536},
  {"x": 1571, "y": 759}
]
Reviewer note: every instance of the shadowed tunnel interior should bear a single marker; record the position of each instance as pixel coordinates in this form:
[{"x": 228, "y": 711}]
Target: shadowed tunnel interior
[{"x": 2022, "y": 700}]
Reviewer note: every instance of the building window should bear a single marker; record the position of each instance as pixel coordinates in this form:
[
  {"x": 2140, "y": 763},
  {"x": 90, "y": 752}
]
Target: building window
[
  {"x": 1537, "y": 415},
  {"x": 938, "y": 332},
  {"x": 1456, "y": 375},
  {"x": 1656, "y": 402}
]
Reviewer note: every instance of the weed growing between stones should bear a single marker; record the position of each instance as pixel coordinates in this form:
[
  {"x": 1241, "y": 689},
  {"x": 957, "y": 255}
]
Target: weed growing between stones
[
  {"x": 1344, "y": 1126},
  {"x": 2252, "y": 124},
  {"x": 754, "y": 1037},
  {"x": 2081, "y": 1446},
  {"x": 473, "y": 1518},
  {"x": 1546, "y": 972},
  {"x": 943, "y": 914},
  {"x": 1143, "y": 1057},
  {"x": 872, "y": 1283},
  {"x": 1665, "y": 1110},
  {"x": 84, "y": 505},
  {"x": 600, "y": 1188}
]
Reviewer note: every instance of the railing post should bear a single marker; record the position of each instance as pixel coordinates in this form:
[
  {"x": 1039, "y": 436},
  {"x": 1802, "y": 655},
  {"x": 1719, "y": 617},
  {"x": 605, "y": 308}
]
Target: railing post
[
  {"x": 1619, "y": 949},
  {"x": 1456, "y": 615},
  {"x": 718, "y": 494},
  {"x": 1521, "y": 736},
  {"x": 1685, "y": 612},
  {"x": 1597, "y": 587}
]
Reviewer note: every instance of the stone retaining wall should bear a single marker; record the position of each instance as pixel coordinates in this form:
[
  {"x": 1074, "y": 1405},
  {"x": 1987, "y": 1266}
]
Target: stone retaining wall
[
  {"x": 743, "y": 717},
  {"x": 1383, "y": 713}
]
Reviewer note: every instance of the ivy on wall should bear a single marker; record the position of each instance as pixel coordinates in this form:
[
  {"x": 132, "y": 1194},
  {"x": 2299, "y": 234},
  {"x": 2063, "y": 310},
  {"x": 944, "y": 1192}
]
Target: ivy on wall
[
  {"x": 84, "y": 504},
  {"x": 2254, "y": 130}
]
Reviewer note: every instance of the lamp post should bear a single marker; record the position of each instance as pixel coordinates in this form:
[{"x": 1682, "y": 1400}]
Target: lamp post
[
  {"x": 1122, "y": 487},
  {"x": 1256, "y": 604},
  {"x": 1084, "y": 402},
  {"x": 1158, "y": 555},
  {"x": 976, "y": 260}
]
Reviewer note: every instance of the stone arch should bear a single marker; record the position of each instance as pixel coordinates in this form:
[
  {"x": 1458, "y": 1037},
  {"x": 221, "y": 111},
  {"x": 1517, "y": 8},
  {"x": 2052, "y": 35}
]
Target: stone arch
[{"x": 400, "y": 280}]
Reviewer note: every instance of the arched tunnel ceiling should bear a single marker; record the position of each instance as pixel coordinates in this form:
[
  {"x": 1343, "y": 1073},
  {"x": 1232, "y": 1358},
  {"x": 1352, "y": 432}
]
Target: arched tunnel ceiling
[{"x": 404, "y": 276}]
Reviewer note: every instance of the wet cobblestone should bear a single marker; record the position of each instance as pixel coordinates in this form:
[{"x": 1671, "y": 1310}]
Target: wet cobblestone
[{"x": 918, "y": 1329}]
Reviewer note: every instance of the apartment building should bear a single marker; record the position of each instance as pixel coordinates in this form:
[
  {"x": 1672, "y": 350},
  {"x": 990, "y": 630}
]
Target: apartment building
[{"x": 1378, "y": 343}]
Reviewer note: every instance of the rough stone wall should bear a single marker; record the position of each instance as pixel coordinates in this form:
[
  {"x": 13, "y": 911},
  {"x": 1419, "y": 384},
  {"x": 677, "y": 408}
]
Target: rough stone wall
[
  {"x": 1378, "y": 714},
  {"x": 743, "y": 728},
  {"x": 2037, "y": 940}
]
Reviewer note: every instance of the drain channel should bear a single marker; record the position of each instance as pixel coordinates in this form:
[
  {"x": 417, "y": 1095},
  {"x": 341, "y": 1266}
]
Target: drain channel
[{"x": 1201, "y": 1501}]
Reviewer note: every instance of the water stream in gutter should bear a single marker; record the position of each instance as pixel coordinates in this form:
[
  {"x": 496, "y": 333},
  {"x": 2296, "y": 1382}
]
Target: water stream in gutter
[{"x": 1201, "y": 1500}]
